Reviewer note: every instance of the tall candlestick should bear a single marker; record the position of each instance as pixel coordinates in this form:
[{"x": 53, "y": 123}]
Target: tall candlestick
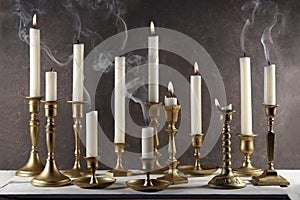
[
  {"x": 246, "y": 102},
  {"x": 270, "y": 85},
  {"x": 119, "y": 100},
  {"x": 51, "y": 85},
  {"x": 153, "y": 70},
  {"x": 78, "y": 68},
  {"x": 170, "y": 100},
  {"x": 196, "y": 107},
  {"x": 92, "y": 134},
  {"x": 34, "y": 43},
  {"x": 147, "y": 142}
]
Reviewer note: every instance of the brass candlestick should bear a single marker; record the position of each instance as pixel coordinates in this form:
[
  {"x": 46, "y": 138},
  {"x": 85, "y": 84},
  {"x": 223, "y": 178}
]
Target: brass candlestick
[
  {"x": 119, "y": 169},
  {"x": 154, "y": 112},
  {"x": 77, "y": 109},
  {"x": 148, "y": 184},
  {"x": 172, "y": 176},
  {"x": 33, "y": 166},
  {"x": 50, "y": 176},
  {"x": 227, "y": 179},
  {"x": 93, "y": 182},
  {"x": 247, "y": 148},
  {"x": 270, "y": 176},
  {"x": 197, "y": 169}
]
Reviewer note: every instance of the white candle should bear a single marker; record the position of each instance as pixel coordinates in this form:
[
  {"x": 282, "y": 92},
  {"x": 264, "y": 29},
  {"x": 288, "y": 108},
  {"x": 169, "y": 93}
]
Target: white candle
[
  {"x": 92, "y": 134},
  {"x": 119, "y": 100},
  {"x": 270, "y": 85},
  {"x": 78, "y": 68},
  {"x": 147, "y": 142},
  {"x": 51, "y": 86},
  {"x": 196, "y": 107},
  {"x": 34, "y": 50},
  {"x": 170, "y": 100},
  {"x": 153, "y": 69},
  {"x": 246, "y": 101}
]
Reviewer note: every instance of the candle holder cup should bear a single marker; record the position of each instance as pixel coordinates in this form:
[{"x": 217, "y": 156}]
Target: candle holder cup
[
  {"x": 93, "y": 182},
  {"x": 148, "y": 184},
  {"x": 247, "y": 148},
  {"x": 77, "y": 110},
  {"x": 50, "y": 176},
  {"x": 197, "y": 169},
  {"x": 172, "y": 175},
  {"x": 270, "y": 175},
  {"x": 226, "y": 179},
  {"x": 154, "y": 112},
  {"x": 34, "y": 165},
  {"x": 119, "y": 169}
]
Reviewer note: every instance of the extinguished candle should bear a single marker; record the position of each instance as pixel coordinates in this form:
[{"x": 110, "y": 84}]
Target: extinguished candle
[
  {"x": 92, "y": 134},
  {"x": 170, "y": 99},
  {"x": 119, "y": 100},
  {"x": 51, "y": 85},
  {"x": 147, "y": 142},
  {"x": 153, "y": 66},
  {"x": 34, "y": 52},
  {"x": 78, "y": 68},
  {"x": 246, "y": 101},
  {"x": 270, "y": 85},
  {"x": 196, "y": 105}
]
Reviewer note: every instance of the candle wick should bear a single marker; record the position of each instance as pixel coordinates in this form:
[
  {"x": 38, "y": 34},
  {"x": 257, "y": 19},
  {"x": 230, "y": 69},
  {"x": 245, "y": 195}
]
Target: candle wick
[
  {"x": 51, "y": 69},
  {"x": 269, "y": 63},
  {"x": 245, "y": 55},
  {"x": 197, "y": 73}
]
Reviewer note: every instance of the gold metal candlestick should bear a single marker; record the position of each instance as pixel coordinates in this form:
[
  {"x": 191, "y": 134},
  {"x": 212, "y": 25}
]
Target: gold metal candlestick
[
  {"x": 33, "y": 166},
  {"x": 247, "y": 148},
  {"x": 227, "y": 179},
  {"x": 172, "y": 176},
  {"x": 93, "y": 182},
  {"x": 270, "y": 176},
  {"x": 119, "y": 169},
  {"x": 197, "y": 169},
  {"x": 50, "y": 176},
  {"x": 154, "y": 112},
  {"x": 77, "y": 109},
  {"x": 148, "y": 184}
]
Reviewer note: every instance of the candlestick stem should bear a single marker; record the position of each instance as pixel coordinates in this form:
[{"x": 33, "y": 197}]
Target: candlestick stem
[
  {"x": 34, "y": 165},
  {"x": 119, "y": 169},
  {"x": 172, "y": 176},
  {"x": 77, "y": 110},
  {"x": 226, "y": 179},
  {"x": 270, "y": 175},
  {"x": 50, "y": 176}
]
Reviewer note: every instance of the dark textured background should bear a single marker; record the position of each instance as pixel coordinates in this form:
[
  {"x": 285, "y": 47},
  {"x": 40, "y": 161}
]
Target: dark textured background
[{"x": 215, "y": 24}]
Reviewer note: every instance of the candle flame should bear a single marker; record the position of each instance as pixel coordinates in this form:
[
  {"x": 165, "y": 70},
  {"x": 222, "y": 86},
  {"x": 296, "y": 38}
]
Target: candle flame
[
  {"x": 170, "y": 87},
  {"x": 152, "y": 29},
  {"x": 34, "y": 20},
  {"x": 196, "y": 68}
]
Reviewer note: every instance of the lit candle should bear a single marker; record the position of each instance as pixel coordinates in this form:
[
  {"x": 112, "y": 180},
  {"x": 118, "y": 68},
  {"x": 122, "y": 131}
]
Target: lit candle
[
  {"x": 78, "y": 68},
  {"x": 51, "y": 85},
  {"x": 153, "y": 70},
  {"x": 147, "y": 142},
  {"x": 170, "y": 100},
  {"x": 92, "y": 134},
  {"x": 196, "y": 107},
  {"x": 270, "y": 85},
  {"x": 119, "y": 100},
  {"x": 246, "y": 101},
  {"x": 34, "y": 50}
]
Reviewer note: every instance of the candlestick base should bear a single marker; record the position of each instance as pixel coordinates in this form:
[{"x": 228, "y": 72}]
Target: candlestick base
[
  {"x": 172, "y": 176},
  {"x": 197, "y": 169},
  {"x": 229, "y": 181},
  {"x": 34, "y": 165},
  {"x": 151, "y": 185},
  {"x": 270, "y": 177},
  {"x": 119, "y": 169},
  {"x": 93, "y": 182},
  {"x": 247, "y": 148}
]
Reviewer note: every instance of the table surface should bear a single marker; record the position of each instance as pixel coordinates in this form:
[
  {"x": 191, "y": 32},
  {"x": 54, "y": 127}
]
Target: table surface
[{"x": 12, "y": 186}]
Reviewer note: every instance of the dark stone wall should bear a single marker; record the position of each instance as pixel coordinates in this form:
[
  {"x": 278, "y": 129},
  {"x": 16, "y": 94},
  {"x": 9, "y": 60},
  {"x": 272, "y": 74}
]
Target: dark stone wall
[{"x": 214, "y": 24}]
